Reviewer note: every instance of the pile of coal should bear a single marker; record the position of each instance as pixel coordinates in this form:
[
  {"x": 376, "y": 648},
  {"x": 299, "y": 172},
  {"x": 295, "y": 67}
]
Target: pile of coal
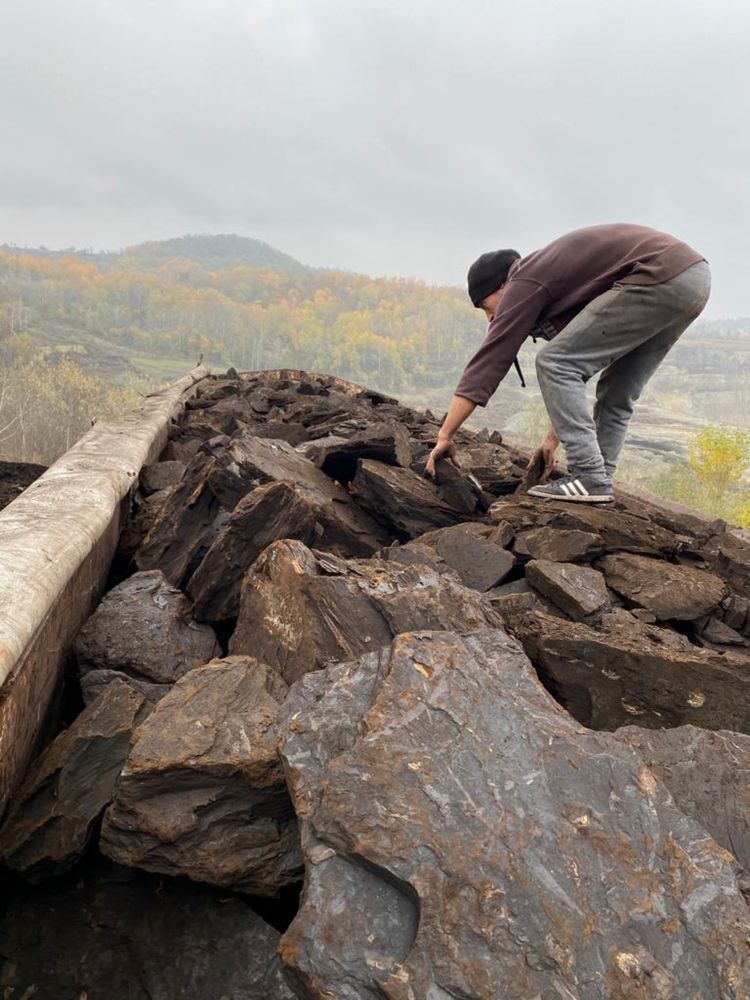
[{"x": 351, "y": 733}]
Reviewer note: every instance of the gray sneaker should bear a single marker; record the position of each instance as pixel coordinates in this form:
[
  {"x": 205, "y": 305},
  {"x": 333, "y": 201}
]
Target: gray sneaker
[{"x": 580, "y": 489}]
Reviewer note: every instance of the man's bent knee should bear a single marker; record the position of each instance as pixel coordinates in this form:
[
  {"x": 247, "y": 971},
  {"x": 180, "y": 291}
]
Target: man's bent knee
[{"x": 546, "y": 362}]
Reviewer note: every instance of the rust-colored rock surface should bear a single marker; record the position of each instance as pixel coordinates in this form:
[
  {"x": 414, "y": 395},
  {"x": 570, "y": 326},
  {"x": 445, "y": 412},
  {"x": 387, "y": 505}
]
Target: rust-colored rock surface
[
  {"x": 300, "y": 610},
  {"x": 707, "y": 774},
  {"x": 466, "y": 839},
  {"x": 202, "y": 793}
]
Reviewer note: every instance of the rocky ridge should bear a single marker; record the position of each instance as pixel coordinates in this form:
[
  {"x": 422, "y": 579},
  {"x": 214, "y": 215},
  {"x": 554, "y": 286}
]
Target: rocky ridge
[{"x": 476, "y": 729}]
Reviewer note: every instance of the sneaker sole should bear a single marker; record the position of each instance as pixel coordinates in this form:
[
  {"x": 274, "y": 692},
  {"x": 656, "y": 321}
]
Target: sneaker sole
[{"x": 588, "y": 499}]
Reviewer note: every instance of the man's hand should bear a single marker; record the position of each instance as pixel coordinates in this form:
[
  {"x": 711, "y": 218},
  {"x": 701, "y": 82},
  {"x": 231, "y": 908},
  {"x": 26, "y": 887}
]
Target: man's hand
[
  {"x": 443, "y": 449},
  {"x": 545, "y": 455},
  {"x": 458, "y": 411}
]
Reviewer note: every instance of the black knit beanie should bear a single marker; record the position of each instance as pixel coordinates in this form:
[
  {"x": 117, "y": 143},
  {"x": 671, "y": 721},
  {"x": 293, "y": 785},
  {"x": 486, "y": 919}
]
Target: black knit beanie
[{"x": 489, "y": 272}]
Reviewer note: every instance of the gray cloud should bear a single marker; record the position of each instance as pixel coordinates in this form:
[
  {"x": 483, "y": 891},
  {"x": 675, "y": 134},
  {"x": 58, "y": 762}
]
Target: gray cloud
[{"x": 386, "y": 138}]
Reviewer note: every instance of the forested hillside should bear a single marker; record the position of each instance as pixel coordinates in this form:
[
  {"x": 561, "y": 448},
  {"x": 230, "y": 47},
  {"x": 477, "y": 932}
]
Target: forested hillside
[
  {"x": 237, "y": 302},
  {"x": 82, "y": 333}
]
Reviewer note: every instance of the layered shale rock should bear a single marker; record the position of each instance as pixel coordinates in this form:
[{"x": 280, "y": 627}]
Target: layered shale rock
[
  {"x": 143, "y": 627},
  {"x": 622, "y": 674},
  {"x": 184, "y": 526},
  {"x": 559, "y": 544},
  {"x": 406, "y": 503},
  {"x": 487, "y": 856},
  {"x": 667, "y": 590},
  {"x": 198, "y": 512},
  {"x": 161, "y": 476},
  {"x": 495, "y": 469},
  {"x": 94, "y": 683},
  {"x": 619, "y": 530},
  {"x": 300, "y": 610},
  {"x": 65, "y": 791},
  {"x": 730, "y": 556},
  {"x": 268, "y": 513},
  {"x": 245, "y": 462},
  {"x": 202, "y": 793},
  {"x": 143, "y": 516}
]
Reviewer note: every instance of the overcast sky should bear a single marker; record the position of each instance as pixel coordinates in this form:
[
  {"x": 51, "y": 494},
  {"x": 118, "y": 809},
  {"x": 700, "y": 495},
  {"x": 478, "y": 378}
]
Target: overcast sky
[{"x": 390, "y": 138}]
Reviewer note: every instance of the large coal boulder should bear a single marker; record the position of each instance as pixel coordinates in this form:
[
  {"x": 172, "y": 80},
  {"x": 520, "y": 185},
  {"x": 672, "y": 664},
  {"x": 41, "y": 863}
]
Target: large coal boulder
[
  {"x": 407, "y": 503},
  {"x": 201, "y": 793},
  {"x": 667, "y": 590},
  {"x": 579, "y": 591},
  {"x": 184, "y": 525},
  {"x": 144, "y": 627},
  {"x": 477, "y": 553},
  {"x": 110, "y": 933},
  {"x": 625, "y": 673},
  {"x": 67, "y": 787},
  {"x": 559, "y": 544},
  {"x": 278, "y": 510},
  {"x": 301, "y": 609},
  {"x": 465, "y": 837}
]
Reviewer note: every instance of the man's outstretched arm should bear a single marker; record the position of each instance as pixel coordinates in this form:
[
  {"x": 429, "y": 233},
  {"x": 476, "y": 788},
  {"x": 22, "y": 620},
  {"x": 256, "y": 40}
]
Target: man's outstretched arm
[
  {"x": 519, "y": 309},
  {"x": 459, "y": 410}
]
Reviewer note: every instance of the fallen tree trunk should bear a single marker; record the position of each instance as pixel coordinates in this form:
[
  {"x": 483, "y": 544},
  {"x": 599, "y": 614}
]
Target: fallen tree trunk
[{"x": 56, "y": 544}]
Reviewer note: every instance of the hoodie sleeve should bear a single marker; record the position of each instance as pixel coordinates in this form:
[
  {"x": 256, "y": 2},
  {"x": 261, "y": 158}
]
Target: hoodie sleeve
[{"x": 520, "y": 308}]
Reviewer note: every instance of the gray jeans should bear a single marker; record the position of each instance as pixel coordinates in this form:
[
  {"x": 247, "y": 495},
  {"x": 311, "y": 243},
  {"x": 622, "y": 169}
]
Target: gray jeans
[{"x": 623, "y": 333}]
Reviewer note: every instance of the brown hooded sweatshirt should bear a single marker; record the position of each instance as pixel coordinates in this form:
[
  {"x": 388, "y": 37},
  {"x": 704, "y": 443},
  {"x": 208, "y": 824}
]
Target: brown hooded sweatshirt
[{"x": 545, "y": 290}]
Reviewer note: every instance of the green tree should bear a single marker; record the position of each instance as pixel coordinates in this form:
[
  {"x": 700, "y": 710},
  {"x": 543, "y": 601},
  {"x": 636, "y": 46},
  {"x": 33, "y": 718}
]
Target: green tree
[{"x": 711, "y": 478}]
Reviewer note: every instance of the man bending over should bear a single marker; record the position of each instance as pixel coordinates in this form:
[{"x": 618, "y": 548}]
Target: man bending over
[{"x": 610, "y": 299}]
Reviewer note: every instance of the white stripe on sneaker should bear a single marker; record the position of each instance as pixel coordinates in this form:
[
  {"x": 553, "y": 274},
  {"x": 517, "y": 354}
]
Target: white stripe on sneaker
[
  {"x": 581, "y": 487},
  {"x": 566, "y": 489}
]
